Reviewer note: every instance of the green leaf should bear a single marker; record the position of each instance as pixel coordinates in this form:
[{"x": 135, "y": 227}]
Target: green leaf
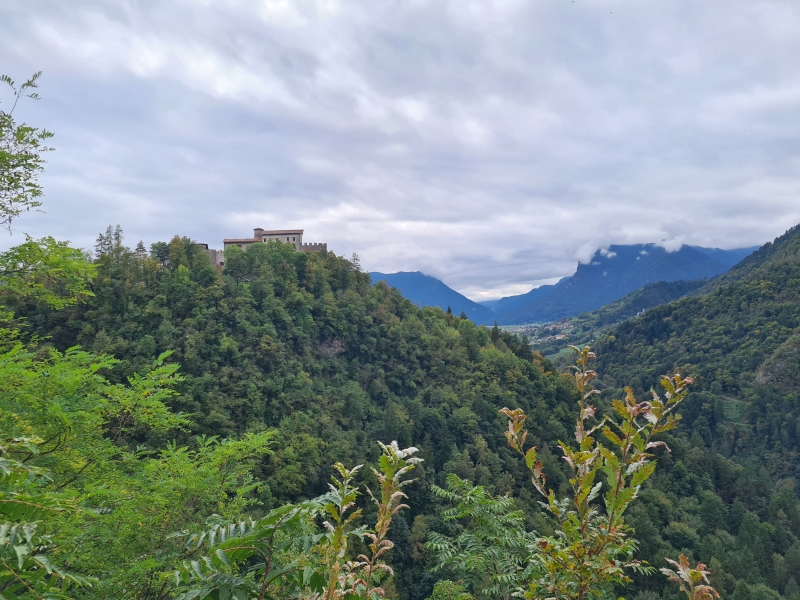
[
  {"x": 530, "y": 457},
  {"x": 643, "y": 473},
  {"x": 613, "y": 437},
  {"x": 222, "y": 557},
  {"x": 595, "y": 491}
]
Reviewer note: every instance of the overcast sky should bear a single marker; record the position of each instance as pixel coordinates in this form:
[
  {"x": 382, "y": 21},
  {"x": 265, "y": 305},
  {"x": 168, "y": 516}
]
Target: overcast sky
[{"x": 491, "y": 143}]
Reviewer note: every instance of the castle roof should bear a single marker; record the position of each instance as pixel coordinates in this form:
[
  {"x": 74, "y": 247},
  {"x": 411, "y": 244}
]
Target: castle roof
[{"x": 281, "y": 231}]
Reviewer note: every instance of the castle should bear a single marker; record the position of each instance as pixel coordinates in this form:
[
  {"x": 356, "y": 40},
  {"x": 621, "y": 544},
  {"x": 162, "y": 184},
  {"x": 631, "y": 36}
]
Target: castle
[{"x": 285, "y": 236}]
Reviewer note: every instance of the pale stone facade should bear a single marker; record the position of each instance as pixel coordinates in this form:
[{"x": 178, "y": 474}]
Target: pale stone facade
[
  {"x": 285, "y": 236},
  {"x": 216, "y": 256}
]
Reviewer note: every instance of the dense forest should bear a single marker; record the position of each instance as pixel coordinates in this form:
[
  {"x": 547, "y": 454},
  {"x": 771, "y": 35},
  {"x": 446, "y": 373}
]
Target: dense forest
[
  {"x": 303, "y": 345},
  {"x": 171, "y": 429},
  {"x": 738, "y": 337}
]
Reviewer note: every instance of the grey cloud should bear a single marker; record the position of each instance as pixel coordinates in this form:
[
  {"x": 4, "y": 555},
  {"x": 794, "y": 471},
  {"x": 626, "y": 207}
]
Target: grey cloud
[{"x": 490, "y": 143}]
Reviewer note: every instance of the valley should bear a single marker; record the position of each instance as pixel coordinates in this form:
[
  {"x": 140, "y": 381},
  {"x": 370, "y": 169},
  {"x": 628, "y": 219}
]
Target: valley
[
  {"x": 609, "y": 277},
  {"x": 307, "y": 347},
  {"x": 203, "y": 398}
]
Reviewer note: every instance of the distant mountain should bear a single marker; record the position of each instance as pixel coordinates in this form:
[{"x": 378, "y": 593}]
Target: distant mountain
[
  {"x": 424, "y": 290},
  {"x": 738, "y": 334},
  {"x": 610, "y": 275},
  {"x": 509, "y": 302},
  {"x": 728, "y": 257}
]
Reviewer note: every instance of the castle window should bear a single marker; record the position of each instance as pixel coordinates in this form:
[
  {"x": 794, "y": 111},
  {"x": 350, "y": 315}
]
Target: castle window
[{"x": 292, "y": 239}]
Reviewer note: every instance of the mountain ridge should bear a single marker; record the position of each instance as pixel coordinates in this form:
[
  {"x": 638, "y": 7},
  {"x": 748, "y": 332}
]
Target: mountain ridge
[
  {"x": 424, "y": 290},
  {"x": 767, "y": 287},
  {"x": 611, "y": 274}
]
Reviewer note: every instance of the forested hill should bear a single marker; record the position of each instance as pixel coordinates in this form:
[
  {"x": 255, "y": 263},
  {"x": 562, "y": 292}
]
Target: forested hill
[
  {"x": 740, "y": 338},
  {"x": 736, "y": 335},
  {"x": 306, "y": 344}
]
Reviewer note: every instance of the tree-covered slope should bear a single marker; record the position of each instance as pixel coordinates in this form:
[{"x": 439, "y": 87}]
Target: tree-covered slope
[
  {"x": 305, "y": 344},
  {"x": 732, "y": 488},
  {"x": 724, "y": 333},
  {"x": 587, "y": 327}
]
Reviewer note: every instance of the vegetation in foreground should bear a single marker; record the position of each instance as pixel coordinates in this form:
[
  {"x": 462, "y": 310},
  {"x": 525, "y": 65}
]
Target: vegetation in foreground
[{"x": 123, "y": 476}]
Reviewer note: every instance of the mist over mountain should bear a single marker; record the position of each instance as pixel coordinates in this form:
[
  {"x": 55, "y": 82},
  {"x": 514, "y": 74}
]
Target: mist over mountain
[
  {"x": 609, "y": 276},
  {"x": 613, "y": 273}
]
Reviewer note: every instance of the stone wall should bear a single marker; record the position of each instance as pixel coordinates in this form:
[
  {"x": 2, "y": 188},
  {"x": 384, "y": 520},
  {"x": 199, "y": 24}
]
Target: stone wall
[
  {"x": 317, "y": 247},
  {"x": 217, "y": 256},
  {"x": 285, "y": 236}
]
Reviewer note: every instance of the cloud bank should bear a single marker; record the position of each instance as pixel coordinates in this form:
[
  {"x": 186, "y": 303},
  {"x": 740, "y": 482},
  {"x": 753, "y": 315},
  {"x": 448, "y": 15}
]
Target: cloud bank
[{"x": 491, "y": 143}]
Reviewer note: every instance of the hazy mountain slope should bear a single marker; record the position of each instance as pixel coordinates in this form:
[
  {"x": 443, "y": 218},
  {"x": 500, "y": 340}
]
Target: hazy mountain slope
[
  {"x": 611, "y": 275},
  {"x": 738, "y": 336},
  {"x": 424, "y": 290},
  {"x": 507, "y": 303},
  {"x": 586, "y": 327},
  {"x": 729, "y": 257}
]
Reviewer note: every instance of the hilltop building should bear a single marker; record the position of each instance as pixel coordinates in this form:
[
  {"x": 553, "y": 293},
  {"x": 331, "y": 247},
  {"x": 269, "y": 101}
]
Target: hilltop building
[
  {"x": 285, "y": 236},
  {"x": 216, "y": 256}
]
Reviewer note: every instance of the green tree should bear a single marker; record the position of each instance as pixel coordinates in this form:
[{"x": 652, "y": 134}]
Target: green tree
[
  {"x": 87, "y": 430},
  {"x": 593, "y": 549},
  {"x": 490, "y": 552},
  {"x": 46, "y": 270},
  {"x": 281, "y": 555},
  {"x": 450, "y": 590},
  {"x": 21, "y": 161},
  {"x": 27, "y": 569}
]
